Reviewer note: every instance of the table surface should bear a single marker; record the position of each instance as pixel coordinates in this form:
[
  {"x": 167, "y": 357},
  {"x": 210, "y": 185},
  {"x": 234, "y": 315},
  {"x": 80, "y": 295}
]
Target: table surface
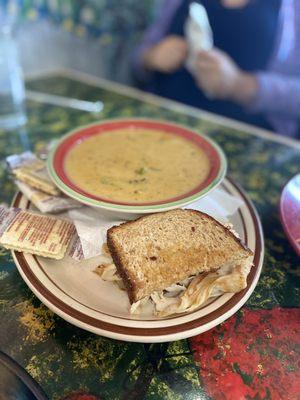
[{"x": 252, "y": 355}]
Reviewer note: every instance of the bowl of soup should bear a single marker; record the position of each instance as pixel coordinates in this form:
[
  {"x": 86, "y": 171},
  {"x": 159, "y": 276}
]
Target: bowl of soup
[{"x": 136, "y": 165}]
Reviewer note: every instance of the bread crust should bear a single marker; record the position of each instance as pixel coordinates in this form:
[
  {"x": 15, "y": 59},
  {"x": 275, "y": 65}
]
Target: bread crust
[
  {"x": 122, "y": 271},
  {"x": 121, "y": 268},
  {"x": 226, "y": 230}
]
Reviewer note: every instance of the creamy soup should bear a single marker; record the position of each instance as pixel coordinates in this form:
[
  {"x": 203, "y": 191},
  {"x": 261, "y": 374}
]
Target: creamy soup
[{"x": 136, "y": 165}]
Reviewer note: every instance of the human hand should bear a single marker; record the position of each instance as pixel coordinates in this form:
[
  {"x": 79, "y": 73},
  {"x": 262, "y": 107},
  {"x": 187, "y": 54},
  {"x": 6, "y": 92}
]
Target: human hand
[
  {"x": 234, "y": 3},
  {"x": 166, "y": 56},
  {"x": 219, "y": 77}
]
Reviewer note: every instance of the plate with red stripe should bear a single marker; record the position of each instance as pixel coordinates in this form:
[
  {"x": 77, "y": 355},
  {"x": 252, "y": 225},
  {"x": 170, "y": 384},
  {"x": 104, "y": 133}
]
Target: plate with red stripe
[{"x": 74, "y": 292}]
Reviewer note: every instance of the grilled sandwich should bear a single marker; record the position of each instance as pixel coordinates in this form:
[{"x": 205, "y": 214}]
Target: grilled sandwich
[{"x": 184, "y": 254}]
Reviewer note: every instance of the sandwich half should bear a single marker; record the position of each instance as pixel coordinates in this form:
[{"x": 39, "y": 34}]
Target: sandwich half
[{"x": 182, "y": 253}]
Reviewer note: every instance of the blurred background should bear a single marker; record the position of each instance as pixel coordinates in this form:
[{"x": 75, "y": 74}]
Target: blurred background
[
  {"x": 93, "y": 36},
  {"x": 250, "y": 72}
]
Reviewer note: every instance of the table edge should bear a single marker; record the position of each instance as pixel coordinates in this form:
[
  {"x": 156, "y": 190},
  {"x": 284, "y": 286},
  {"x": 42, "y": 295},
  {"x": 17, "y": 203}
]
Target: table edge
[{"x": 162, "y": 102}]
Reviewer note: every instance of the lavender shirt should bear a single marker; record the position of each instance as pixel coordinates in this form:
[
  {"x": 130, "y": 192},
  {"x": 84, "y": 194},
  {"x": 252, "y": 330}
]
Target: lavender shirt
[{"x": 278, "y": 95}]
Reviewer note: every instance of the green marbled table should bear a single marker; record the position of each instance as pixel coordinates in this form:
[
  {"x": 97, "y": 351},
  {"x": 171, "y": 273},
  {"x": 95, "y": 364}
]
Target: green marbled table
[{"x": 253, "y": 355}]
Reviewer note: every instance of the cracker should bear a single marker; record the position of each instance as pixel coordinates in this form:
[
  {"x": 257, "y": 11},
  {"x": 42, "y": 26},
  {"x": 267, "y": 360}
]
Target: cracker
[
  {"x": 47, "y": 203},
  {"x": 36, "y": 176},
  {"x": 27, "y": 168},
  {"x": 38, "y": 234}
]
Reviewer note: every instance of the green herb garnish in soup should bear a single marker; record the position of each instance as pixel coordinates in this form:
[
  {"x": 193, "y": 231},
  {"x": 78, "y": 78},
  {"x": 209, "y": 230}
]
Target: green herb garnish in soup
[{"x": 137, "y": 165}]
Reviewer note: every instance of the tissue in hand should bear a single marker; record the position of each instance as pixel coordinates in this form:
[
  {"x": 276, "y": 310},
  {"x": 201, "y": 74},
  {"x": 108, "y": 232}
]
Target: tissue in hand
[{"x": 198, "y": 34}]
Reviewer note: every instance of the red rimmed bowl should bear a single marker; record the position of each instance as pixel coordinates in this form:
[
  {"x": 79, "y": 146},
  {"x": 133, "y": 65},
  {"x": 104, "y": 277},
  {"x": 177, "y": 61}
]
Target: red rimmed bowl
[{"x": 58, "y": 155}]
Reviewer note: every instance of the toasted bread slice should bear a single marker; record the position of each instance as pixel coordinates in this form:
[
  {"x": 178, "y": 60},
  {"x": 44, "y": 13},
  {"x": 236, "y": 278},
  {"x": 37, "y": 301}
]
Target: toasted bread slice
[{"x": 160, "y": 249}]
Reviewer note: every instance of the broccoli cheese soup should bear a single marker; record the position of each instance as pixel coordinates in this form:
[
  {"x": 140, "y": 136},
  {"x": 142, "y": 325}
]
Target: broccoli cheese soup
[{"x": 136, "y": 165}]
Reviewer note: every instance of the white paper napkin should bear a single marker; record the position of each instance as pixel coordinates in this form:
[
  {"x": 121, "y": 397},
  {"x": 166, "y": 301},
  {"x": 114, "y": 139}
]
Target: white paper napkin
[
  {"x": 219, "y": 204},
  {"x": 92, "y": 226},
  {"x": 198, "y": 34}
]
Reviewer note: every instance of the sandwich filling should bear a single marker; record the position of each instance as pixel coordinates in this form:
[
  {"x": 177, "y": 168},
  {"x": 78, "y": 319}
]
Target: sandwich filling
[
  {"x": 175, "y": 261},
  {"x": 188, "y": 294}
]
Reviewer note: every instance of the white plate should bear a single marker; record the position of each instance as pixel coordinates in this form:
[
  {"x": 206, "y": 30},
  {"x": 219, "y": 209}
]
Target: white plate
[{"x": 75, "y": 293}]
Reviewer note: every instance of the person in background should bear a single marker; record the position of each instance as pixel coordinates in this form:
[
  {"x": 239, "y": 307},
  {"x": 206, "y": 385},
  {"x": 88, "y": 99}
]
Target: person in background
[{"x": 253, "y": 72}]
